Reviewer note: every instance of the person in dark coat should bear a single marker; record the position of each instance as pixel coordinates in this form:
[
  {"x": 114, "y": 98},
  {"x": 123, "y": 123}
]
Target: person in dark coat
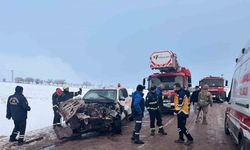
[
  {"x": 17, "y": 109},
  {"x": 55, "y": 101},
  {"x": 194, "y": 98},
  {"x": 160, "y": 96},
  {"x": 69, "y": 95},
  {"x": 137, "y": 107},
  {"x": 153, "y": 107}
]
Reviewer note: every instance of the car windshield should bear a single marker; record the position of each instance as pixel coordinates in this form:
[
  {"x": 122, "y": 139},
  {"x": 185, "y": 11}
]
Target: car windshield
[
  {"x": 213, "y": 82},
  {"x": 101, "y": 95},
  {"x": 168, "y": 81}
]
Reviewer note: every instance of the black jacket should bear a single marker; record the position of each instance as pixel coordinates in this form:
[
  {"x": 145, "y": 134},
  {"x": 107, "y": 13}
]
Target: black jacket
[
  {"x": 17, "y": 107},
  {"x": 152, "y": 102},
  {"x": 55, "y": 101},
  {"x": 194, "y": 97}
]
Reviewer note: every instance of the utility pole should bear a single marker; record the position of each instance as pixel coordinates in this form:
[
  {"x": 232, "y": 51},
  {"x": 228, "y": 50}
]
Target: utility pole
[{"x": 12, "y": 76}]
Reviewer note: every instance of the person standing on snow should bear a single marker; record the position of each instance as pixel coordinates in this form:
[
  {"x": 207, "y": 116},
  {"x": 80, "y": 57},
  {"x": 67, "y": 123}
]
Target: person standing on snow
[
  {"x": 17, "y": 108},
  {"x": 55, "y": 101},
  {"x": 137, "y": 113},
  {"x": 152, "y": 105},
  {"x": 194, "y": 98},
  {"x": 205, "y": 99},
  {"x": 69, "y": 95},
  {"x": 181, "y": 103}
]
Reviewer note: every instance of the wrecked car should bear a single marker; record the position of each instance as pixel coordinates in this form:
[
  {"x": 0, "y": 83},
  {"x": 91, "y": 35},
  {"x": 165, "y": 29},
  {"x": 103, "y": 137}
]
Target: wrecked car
[{"x": 99, "y": 110}]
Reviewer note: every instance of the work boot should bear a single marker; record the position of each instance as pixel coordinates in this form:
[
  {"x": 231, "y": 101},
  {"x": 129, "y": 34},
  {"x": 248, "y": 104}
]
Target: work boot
[
  {"x": 20, "y": 142},
  {"x": 13, "y": 140},
  {"x": 189, "y": 142},
  {"x": 152, "y": 133},
  {"x": 162, "y": 132},
  {"x": 138, "y": 141},
  {"x": 133, "y": 136},
  {"x": 204, "y": 122},
  {"x": 179, "y": 141}
]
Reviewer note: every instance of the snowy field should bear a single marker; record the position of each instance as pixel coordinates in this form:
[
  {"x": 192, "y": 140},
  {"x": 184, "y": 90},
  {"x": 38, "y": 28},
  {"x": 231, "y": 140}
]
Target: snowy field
[{"x": 40, "y": 101}]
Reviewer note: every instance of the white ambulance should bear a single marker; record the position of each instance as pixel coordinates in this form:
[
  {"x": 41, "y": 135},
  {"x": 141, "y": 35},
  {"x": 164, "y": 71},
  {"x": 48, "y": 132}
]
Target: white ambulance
[{"x": 237, "y": 116}]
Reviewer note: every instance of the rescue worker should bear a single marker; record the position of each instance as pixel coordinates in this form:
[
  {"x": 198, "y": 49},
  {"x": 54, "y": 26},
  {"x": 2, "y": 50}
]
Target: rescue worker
[
  {"x": 68, "y": 95},
  {"x": 194, "y": 98},
  {"x": 137, "y": 113},
  {"x": 181, "y": 103},
  {"x": 55, "y": 102},
  {"x": 17, "y": 108},
  {"x": 160, "y": 96},
  {"x": 153, "y": 108},
  {"x": 205, "y": 99}
]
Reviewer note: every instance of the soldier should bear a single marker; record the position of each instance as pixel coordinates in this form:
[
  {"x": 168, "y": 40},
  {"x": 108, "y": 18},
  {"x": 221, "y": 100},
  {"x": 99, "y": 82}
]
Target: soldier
[
  {"x": 68, "y": 95},
  {"x": 205, "y": 99},
  {"x": 55, "y": 102},
  {"x": 137, "y": 113},
  {"x": 17, "y": 108},
  {"x": 181, "y": 103},
  {"x": 153, "y": 108}
]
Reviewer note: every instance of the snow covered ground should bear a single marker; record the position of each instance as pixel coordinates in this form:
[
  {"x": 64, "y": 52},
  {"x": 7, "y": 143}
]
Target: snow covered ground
[{"x": 39, "y": 98}]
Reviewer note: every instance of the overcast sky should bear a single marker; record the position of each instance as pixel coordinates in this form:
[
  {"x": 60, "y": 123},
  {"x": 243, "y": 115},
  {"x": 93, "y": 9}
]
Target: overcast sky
[{"x": 110, "y": 41}]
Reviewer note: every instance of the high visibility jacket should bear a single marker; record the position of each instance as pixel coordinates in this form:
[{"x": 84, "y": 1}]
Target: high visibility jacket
[{"x": 181, "y": 102}]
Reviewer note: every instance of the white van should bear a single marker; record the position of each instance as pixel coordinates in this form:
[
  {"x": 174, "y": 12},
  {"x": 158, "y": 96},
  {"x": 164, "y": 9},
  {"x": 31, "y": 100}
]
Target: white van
[{"x": 237, "y": 116}]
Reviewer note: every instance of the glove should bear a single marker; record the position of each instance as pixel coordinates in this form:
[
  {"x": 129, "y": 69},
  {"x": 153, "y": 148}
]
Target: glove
[
  {"x": 28, "y": 109},
  {"x": 80, "y": 91},
  {"x": 8, "y": 117}
]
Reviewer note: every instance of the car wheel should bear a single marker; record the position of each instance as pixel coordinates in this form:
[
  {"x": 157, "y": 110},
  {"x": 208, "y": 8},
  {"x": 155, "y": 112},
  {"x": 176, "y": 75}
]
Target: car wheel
[
  {"x": 226, "y": 126},
  {"x": 117, "y": 125},
  {"x": 241, "y": 145}
]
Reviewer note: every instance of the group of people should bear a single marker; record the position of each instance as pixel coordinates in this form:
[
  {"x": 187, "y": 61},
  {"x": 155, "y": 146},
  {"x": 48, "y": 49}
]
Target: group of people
[
  {"x": 201, "y": 99},
  {"x": 18, "y": 107}
]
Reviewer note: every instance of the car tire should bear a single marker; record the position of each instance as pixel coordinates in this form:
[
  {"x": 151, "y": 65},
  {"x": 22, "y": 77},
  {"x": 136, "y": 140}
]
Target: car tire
[
  {"x": 226, "y": 126},
  {"x": 241, "y": 145},
  {"x": 117, "y": 125}
]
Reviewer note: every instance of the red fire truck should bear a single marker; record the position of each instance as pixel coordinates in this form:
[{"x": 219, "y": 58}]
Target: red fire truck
[
  {"x": 169, "y": 73},
  {"x": 216, "y": 87}
]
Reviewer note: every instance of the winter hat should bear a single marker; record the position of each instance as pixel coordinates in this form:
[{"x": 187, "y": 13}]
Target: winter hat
[
  {"x": 205, "y": 87},
  {"x": 19, "y": 89},
  {"x": 153, "y": 88},
  {"x": 59, "y": 91},
  {"x": 140, "y": 88}
]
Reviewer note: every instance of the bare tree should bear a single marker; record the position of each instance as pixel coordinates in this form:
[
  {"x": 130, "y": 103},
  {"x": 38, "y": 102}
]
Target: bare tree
[
  {"x": 19, "y": 80},
  {"x": 86, "y": 84}
]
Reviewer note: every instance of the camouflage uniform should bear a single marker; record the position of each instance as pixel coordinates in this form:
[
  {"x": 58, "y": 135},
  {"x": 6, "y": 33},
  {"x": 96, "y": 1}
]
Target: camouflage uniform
[{"x": 205, "y": 98}]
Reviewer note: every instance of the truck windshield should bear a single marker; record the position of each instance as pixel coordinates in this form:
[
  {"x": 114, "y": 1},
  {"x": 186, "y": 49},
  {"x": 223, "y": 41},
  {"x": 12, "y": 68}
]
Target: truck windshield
[
  {"x": 213, "y": 82},
  {"x": 168, "y": 81},
  {"x": 101, "y": 95}
]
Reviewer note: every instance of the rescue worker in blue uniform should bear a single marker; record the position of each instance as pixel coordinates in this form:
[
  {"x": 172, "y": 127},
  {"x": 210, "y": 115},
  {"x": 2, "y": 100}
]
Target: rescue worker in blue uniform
[
  {"x": 181, "y": 102},
  {"x": 68, "y": 95},
  {"x": 55, "y": 102},
  {"x": 17, "y": 109},
  {"x": 137, "y": 107},
  {"x": 153, "y": 107}
]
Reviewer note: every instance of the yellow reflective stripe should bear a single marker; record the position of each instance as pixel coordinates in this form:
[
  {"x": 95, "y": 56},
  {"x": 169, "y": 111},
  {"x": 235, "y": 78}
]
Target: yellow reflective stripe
[
  {"x": 151, "y": 108},
  {"x": 138, "y": 122},
  {"x": 151, "y": 103},
  {"x": 160, "y": 127},
  {"x": 55, "y": 106},
  {"x": 137, "y": 133}
]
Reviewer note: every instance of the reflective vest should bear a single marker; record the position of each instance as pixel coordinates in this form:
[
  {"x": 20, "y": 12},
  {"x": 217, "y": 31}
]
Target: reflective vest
[{"x": 181, "y": 102}]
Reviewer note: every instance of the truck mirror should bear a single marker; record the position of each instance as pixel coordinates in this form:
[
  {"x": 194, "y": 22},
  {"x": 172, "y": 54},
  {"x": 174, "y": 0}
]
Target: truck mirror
[
  {"x": 226, "y": 82},
  {"x": 144, "y": 82}
]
